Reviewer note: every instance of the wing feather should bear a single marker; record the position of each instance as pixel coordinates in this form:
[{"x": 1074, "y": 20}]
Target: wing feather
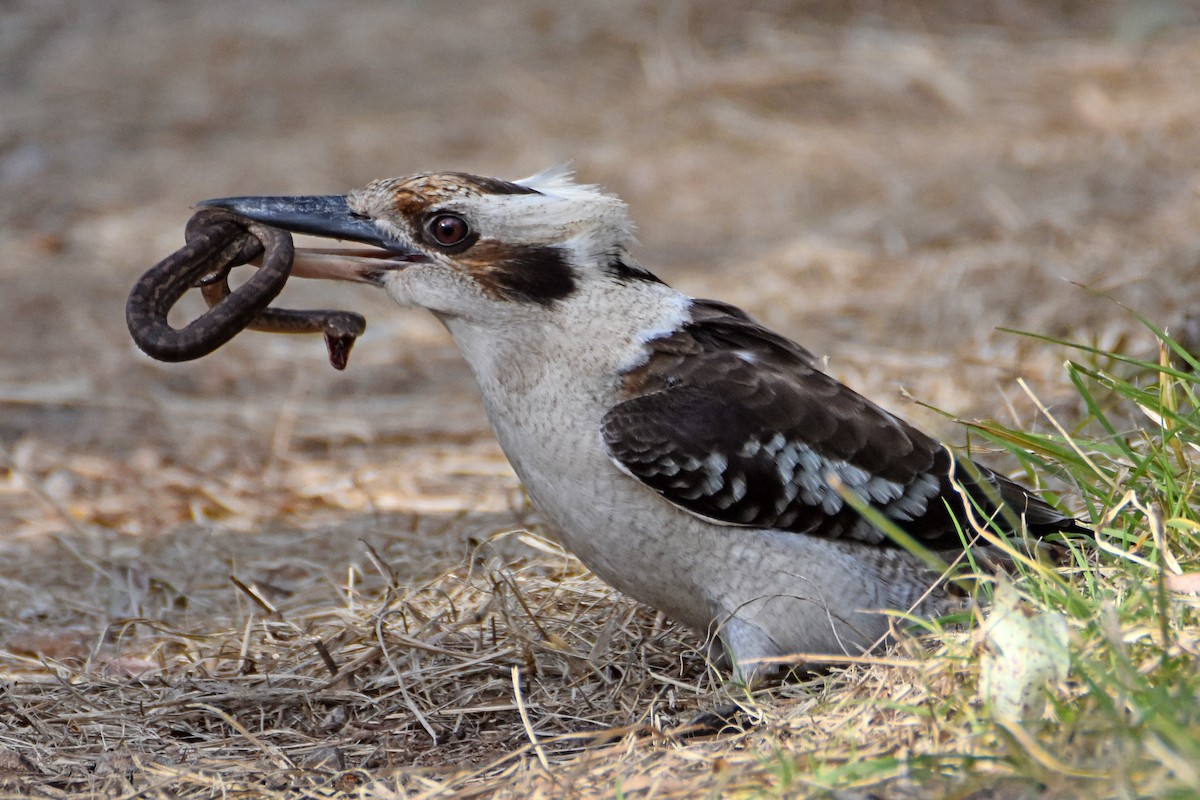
[{"x": 736, "y": 424}]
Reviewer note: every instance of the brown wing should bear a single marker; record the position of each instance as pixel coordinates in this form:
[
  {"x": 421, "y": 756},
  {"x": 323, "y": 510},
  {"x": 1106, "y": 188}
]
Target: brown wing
[{"x": 736, "y": 424}]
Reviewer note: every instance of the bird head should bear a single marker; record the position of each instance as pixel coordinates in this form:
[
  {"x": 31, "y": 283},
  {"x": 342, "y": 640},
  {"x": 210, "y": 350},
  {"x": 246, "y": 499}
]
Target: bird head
[{"x": 461, "y": 245}]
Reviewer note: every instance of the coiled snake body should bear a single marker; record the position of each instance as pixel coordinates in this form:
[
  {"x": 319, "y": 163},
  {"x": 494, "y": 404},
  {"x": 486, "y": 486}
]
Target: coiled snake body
[{"x": 218, "y": 241}]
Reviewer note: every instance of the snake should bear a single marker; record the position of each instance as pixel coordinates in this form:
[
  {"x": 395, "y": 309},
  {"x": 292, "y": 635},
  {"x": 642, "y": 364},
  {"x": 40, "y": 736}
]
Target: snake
[{"x": 216, "y": 242}]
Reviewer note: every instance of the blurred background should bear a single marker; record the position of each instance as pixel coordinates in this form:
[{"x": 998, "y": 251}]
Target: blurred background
[{"x": 886, "y": 182}]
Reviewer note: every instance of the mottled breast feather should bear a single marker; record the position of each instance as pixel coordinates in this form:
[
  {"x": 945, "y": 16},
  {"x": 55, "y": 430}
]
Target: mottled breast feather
[{"x": 736, "y": 424}]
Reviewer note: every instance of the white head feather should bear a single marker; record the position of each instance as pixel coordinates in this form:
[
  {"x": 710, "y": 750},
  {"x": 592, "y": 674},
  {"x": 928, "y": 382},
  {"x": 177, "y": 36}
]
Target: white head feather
[{"x": 582, "y": 216}]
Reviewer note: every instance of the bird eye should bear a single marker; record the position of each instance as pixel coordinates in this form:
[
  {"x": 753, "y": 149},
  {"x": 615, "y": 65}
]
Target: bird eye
[{"x": 448, "y": 229}]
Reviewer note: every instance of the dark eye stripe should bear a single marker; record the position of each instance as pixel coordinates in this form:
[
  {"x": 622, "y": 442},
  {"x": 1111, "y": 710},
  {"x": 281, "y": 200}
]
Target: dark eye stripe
[{"x": 539, "y": 274}]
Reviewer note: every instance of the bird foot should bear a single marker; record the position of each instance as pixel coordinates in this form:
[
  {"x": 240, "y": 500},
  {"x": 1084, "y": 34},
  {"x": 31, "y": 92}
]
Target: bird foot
[{"x": 726, "y": 718}]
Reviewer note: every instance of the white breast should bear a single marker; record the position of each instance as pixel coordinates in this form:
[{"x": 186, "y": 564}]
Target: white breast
[{"x": 546, "y": 388}]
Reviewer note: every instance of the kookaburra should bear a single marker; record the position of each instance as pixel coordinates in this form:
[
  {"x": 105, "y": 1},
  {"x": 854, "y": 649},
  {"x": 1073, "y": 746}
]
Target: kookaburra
[{"x": 690, "y": 457}]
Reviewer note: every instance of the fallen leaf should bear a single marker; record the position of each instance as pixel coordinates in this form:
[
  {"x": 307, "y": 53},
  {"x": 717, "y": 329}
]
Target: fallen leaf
[
  {"x": 1188, "y": 582},
  {"x": 1026, "y": 651}
]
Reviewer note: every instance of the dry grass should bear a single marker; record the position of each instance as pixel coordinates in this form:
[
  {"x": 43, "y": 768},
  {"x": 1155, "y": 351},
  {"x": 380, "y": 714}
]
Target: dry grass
[
  {"x": 515, "y": 673},
  {"x": 886, "y": 182}
]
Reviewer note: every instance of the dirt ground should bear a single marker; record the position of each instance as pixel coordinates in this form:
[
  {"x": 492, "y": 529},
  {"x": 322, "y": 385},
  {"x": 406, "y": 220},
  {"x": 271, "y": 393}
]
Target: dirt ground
[{"x": 886, "y": 182}]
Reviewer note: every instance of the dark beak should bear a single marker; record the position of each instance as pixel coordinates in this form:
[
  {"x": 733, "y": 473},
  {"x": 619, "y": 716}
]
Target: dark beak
[{"x": 328, "y": 216}]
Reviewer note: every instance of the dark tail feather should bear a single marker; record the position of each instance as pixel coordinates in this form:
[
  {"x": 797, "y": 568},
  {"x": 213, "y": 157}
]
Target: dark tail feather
[{"x": 1041, "y": 518}]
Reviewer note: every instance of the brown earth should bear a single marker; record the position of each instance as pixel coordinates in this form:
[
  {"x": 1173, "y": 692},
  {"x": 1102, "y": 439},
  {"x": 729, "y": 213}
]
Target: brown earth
[{"x": 886, "y": 182}]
